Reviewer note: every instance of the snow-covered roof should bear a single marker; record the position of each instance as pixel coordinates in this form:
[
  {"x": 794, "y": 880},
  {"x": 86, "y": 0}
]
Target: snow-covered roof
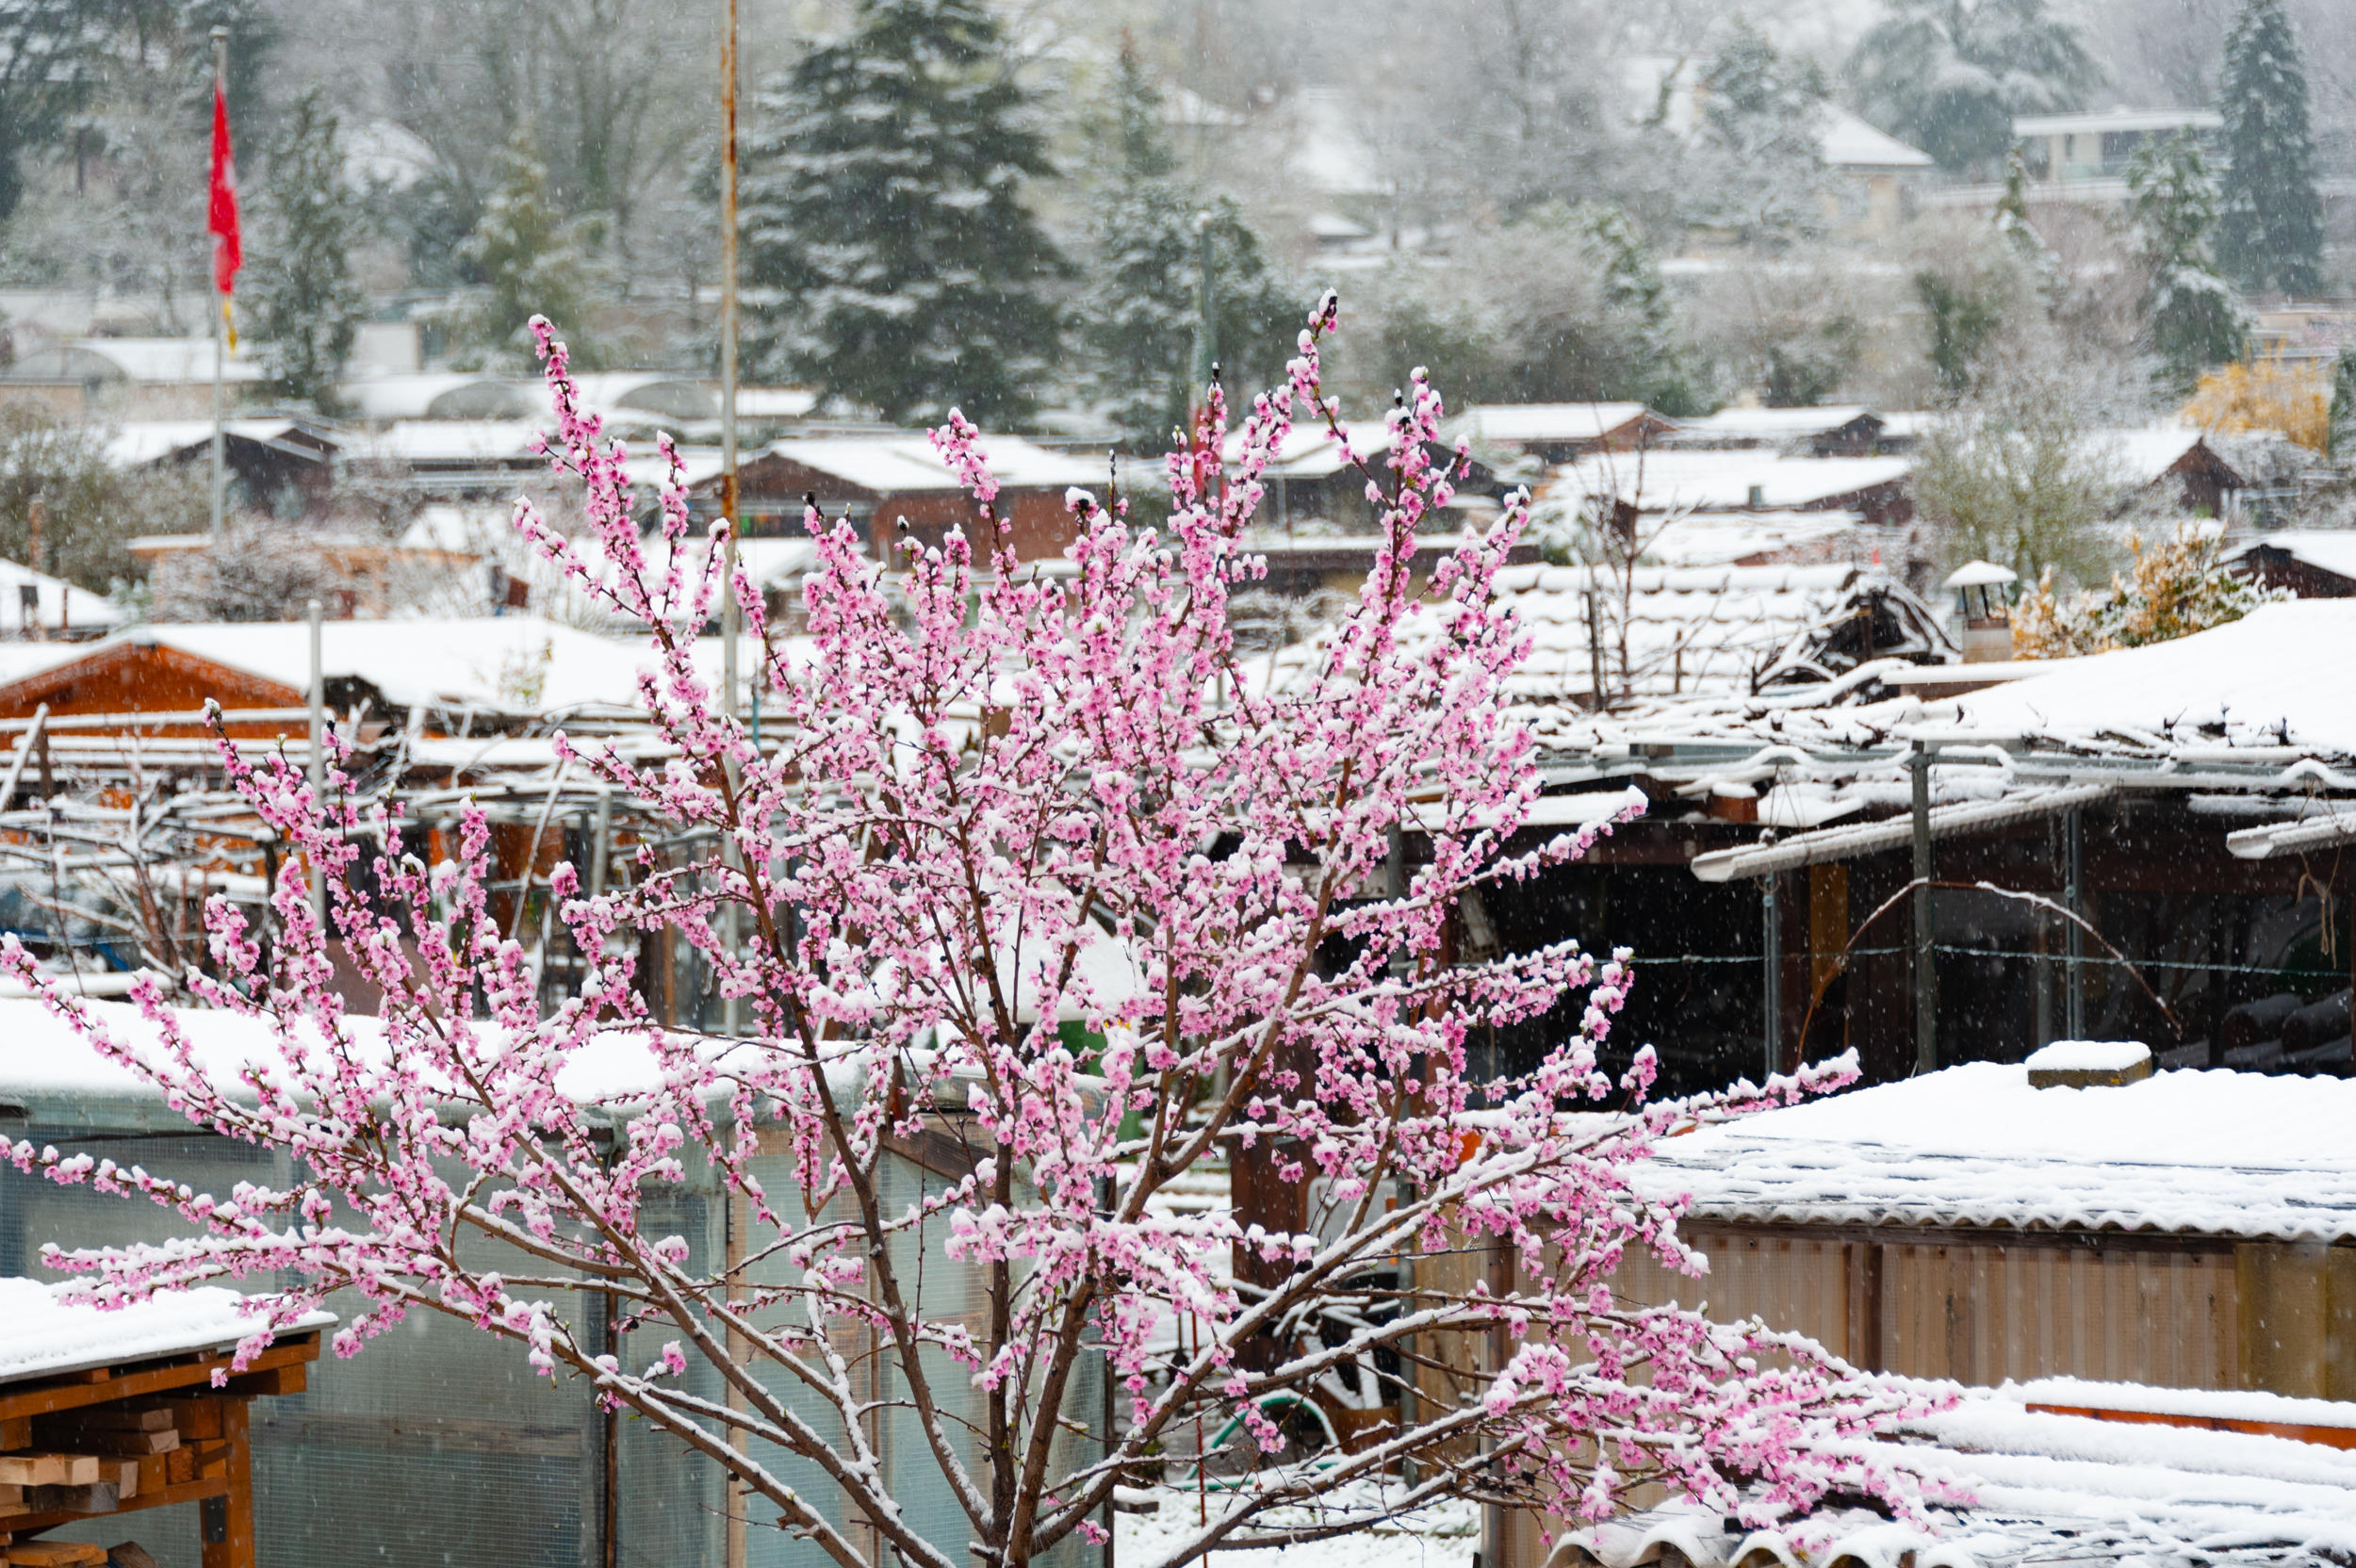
[
  {"x": 649, "y": 470},
  {"x": 41, "y": 1335},
  {"x": 385, "y": 152},
  {"x": 1328, "y": 152},
  {"x": 898, "y": 465},
  {"x": 1846, "y": 141},
  {"x": 161, "y": 361},
  {"x": 2145, "y": 455},
  {"x": 1511, "y": 424},
  {"x": 60, "y": 604},
  {"x": 1687, "y": 629},
  {"x": 2270, "y": 678},
  {"x": 1729, "y": 538},
  {"x": 136, "y": 443},
  {"x": 441, "y": 394},
  {"x": 2331, "y": 550},
  {"x": 2046, "y": 1488},
  {"x": 2200, "y": 1153},
  {"x": 774, "y": 402},
  {"x": 2117, "y": 120},
  {"x": 512, "y": 664},
  {"x": 645, "y": 392},
  {"x": 452, "y": 441},
  {"x": 55, "y": 1076},
  {"x": 1720, "y": 482},
  {"x": 1769, "y": 425},
  {"x": 23, "y": 660}
]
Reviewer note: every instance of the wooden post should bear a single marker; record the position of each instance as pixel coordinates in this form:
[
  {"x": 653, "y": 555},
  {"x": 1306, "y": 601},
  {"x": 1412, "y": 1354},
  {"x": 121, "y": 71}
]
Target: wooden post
[{"x": 228, "y": 1520}]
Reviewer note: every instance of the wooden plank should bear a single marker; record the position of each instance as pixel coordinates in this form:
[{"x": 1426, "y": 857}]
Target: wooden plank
[
  {"x": 186, "y": 1493},
  {"x": 293, "y": 1379},
  {"x": 97, "y": 1497},
  {"x": 179, "y": 1467},
  {"x": 16, "y": 1433},
  {"x": 49, "y": 1469},
  {"x": 56, "y": 1553},
  {"x": 144, "y": 1415},
  {"x": 44, "y": 1399},
  {"x": 195, "y": 1418},
  {"x": 124, "y": 1475}
]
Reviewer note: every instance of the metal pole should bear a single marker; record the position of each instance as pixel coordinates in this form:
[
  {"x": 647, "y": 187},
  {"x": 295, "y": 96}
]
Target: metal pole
[
  {"x": 600, "y": 851},
  {"x": 1773, "y": 1011},
  {"x": 221, "y": 349},
  {"x": 1925, "y": 981},
  {"x": 1205, "y": 309},
  {"x": 2073, "y": 895},
  {"x": 318, "y": 699},
  {"x": 730, "y": 612}
]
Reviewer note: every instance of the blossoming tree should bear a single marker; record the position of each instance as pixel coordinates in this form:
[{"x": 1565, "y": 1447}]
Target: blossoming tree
[{"x": 991, "y": 798}]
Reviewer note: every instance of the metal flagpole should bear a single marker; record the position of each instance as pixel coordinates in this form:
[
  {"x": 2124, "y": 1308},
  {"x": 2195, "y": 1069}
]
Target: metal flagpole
[
  {"x": 317, "y": 700},
  {"x": 221, "y": 349},
  {"x": 732, "y": 615}
]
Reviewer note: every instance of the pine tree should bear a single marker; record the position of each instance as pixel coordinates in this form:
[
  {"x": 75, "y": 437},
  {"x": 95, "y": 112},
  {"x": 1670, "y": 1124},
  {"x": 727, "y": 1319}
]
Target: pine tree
[
  {"x": 882, "y": 203},
  {"x": 1141, "y": 310},
  {"x": 536, "y": 262},
  {"x": 2341, "y": 441},
  {"x": 2273, "y": 230},
  {"x": 1764, "y": 115},
  {"x": 1635, "y": 294},
  {"x": 2196, "y": 320},
  {"x": 306, "y": 305}
]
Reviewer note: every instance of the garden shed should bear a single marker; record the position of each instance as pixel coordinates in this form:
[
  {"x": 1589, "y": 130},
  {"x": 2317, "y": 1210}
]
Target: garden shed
[
  {"x": 438, "y": 1444},
  {"x": 105, "y": 1413},
  {"x": 2193, "y": 1230}
]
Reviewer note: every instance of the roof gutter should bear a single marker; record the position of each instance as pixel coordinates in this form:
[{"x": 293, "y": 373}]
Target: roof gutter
[
  {"x": 2292, "y": 838},
  {"x": 1847, "y": 843}
]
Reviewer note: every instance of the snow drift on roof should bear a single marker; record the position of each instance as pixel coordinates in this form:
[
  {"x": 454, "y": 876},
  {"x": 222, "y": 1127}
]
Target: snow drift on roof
[
  {"x": 2211, "y": 1153},
  {"x": 41, "y": 1335},
  {"x": 2263, "y": 680}
]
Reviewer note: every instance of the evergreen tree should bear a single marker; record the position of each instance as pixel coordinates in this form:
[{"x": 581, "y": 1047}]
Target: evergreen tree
[
  {"x": 2273, "y": 230},
  {"x": 1949, "y": 75},
  {"x": 2340, "y": 443},
  {"x": 2012, "y": 211},
  {"x": 306, "y": 306},
  {"x": 535, "y": 261},
  {"x": 2195, "y": 318},
  {"x": 1141, "y": 311},
  {"x": 882, "y": 203},
  {"x": 1636, "y": 298},
  {"x": 1762, "y": 116}
]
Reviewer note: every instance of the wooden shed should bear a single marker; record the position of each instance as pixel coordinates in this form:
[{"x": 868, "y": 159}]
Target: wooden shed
[
  {"x": 2195, "y": 1230},
  {"x": 104, "y": 1413},
  {"x": 155, "y": 679},
  {"x": 2314, "y": 563},
  {"x": 896, "y": 487},
  {"x": 1559, "y": 432}
]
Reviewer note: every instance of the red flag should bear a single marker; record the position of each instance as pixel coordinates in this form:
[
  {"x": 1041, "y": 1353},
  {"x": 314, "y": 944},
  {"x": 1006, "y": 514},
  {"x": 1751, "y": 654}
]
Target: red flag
[{"x": 228, "y": 252}]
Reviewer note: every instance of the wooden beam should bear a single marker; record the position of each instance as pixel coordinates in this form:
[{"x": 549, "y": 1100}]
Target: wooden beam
[
  {"x": 43, "y": 1399},
  {"x": 188, "y": 1491},
  {"x": 234, "y": 1546}
]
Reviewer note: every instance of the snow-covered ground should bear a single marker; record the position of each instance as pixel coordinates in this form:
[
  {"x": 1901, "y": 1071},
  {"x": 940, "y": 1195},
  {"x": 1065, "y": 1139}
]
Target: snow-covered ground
[{"x": 1444, "y": 1536}]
